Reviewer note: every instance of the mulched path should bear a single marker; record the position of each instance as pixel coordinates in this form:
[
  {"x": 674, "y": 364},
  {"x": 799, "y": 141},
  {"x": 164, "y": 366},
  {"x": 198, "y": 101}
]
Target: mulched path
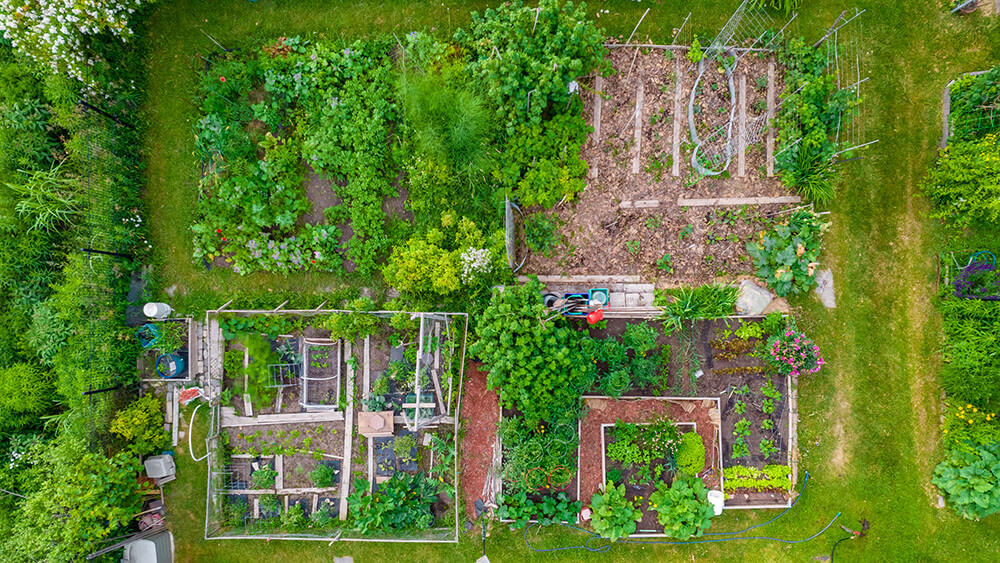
[
  {"x": 480, "y": 415},
  {"x": 609, "y": 411}
]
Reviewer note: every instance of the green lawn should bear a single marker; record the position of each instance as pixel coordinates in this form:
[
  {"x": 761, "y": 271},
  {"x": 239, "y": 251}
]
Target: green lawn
[{"x": 868, "y": 430}]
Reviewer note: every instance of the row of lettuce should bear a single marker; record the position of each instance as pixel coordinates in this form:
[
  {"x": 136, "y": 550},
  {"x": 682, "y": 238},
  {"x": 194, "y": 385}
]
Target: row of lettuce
[
  {"x": 964, "y": 188},
  {"x": 70, "y": 179}
]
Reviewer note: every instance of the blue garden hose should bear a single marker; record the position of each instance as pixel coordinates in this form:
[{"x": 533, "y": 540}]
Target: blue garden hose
[{"x": 607, "y": 547}]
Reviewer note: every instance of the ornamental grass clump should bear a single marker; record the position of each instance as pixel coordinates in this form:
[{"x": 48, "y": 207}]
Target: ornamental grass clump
[{"x": 791, "y": 353}]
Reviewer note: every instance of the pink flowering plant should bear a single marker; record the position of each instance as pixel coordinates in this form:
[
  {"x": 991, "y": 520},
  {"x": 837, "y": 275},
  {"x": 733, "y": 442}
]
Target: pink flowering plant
[{"x": 791, "y": 353}]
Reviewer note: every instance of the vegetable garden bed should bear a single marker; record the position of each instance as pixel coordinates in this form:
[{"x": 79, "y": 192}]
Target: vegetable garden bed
[
  {"x": 324, "y": 477},
  {"x": 636, "y": 216}
]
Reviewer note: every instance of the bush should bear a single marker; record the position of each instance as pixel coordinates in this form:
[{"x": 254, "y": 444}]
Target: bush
[
  {"x": 550, "y": 510},
  {"x": 791, "y": 353},
  {"x": 141, "y": 423},
  {"x": 542, "y": 162},
  {"x": 690, "y": 454},
  {"x": 25, "y": 393},
  {"x": 971, "y": 481},
  {"x": 964, "y": 183},
  {"x": 294, "y": 519},
  {"x": 541, "y": 233},
  {"x": 538, "y": 367},
  {"x": 682, "y": 508},
  {"x": 515, "y": 50},
  {"x": 971, "y": 371},
  {"x": 614, "y": 514},
  {"x": 786, "y": 258},
  {"x": 970, "y": 96}
]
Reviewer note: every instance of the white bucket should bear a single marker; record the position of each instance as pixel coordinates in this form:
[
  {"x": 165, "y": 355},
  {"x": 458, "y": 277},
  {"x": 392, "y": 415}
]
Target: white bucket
[
  {"x": 718, "y": 499},
  {"x": 158, "y": 311}
]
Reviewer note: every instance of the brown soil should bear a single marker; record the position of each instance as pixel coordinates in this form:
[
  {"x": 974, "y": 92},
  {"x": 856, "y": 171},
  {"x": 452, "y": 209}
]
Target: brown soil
[
  {"x": 596, "y": 230},
  {"x": 480, "y": 415},
  {"x": 320, "y": 193},
  {"x": 326, "y": 441},
  {"x": 609, "y": 411}
]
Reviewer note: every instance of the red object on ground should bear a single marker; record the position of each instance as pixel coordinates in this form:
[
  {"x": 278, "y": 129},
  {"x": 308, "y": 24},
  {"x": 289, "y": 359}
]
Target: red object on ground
[
  {"x": 595, "y": 317},
  {"x": 189, "y": 394},
  {"x": 480, "y": 415}
]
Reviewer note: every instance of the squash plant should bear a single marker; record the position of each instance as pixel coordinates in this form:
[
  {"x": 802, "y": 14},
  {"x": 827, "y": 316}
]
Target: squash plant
[
  {"x": 971, "y": 481},
  {"x": 404, "y": 501},
  {"x": 614, "y": 514},
  {"x": 551, "y": 509},
  {"x": 787, "y": 256},
  {"x": 682, "y": 508}
]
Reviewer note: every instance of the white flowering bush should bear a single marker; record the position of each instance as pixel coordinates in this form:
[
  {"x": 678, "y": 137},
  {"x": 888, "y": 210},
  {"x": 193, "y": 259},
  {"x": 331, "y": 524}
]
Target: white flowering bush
[
  {"x": 62, "y": 34},
  {"x": 476, "y": 263}
]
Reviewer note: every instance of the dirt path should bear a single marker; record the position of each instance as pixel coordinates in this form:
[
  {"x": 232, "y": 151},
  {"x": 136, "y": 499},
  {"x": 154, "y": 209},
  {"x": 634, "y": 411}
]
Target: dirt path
[{"x": 480, "y": 415}]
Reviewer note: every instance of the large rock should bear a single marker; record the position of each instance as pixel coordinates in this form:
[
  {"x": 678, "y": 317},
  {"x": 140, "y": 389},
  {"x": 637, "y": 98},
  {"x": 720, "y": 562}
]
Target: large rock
[
  {"x": 753, "y": 299},
  {"x": 824, "y": 288}
]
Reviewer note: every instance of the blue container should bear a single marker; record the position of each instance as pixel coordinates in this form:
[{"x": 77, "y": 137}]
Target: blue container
[
  {"x": 171, "y": 366},
  {"x": 148, "y": 335}
]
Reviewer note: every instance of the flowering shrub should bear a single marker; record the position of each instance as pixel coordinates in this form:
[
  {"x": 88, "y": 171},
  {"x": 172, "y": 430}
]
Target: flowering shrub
[
  {"x": 791, "y": 353},
  {"x": 67, "y": 35}
]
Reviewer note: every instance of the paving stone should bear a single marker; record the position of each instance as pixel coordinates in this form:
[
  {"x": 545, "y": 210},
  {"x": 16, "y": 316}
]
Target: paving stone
[
  {"x": 824, "y": 288},
  {"x": 617, "y": 299},
  {"x": 646, "y": 299},
  {"x": 639, "y": 288},
  {"x": 631, "y": 299},
  {"x": 753, "y": 299}
]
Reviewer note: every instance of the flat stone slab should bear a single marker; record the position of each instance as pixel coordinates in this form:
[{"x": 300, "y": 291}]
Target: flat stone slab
[
  {"x": 824, "y": 288},
  {"x": 753, "y": 299}
]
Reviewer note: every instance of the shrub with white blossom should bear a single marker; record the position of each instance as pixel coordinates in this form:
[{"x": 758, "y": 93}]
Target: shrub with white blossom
[{"x": 63, "y": 34}]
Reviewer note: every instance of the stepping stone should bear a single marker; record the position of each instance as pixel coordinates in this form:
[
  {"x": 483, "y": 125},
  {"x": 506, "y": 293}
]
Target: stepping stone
[
  {"x": 824, "y": 288},
  {"x": 753, "y": 299}
]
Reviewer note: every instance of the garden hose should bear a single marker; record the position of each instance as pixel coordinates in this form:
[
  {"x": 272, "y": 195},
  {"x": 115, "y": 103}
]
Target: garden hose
[{"x": 191, "y": 433}]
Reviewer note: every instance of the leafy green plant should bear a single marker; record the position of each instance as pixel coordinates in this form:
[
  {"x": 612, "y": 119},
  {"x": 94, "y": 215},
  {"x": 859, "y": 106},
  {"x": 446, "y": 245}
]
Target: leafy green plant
[
  {"x": 614, "y": 514},
  {"x": 172, "y": 337},
  {"x": 633, "y": 247},
  {"x": 26, "y": 393},
  {"x": 402, "y": 445},
  {"x": 767, "y": 424},
  {"x": 526, "y": 59},
  {"x": 640, "y": 446},
  {"x": 270, "y": 504},
  {"x": 771, "y": 477},
  {"x": 740, "y": 448},
  {"x": 742, "y": 427},
  {"x": 695, "y": 53},
  {"x": 294, "y": 519},
  {"x": 538, "y": 366},
  {"x": 683, "y": 304},
  {"x": 740, "y": 407},
  {"x": 542, "y": 162},
  {"x": 971, "y": 481},
  {"x": 787, "y": 256},
  {"x": 767, "y": 448},
  {"x": 964, "y": 185},
  {"x": 402, "y": 502},
  {"x": 690, "y": 453},
  {"x": 542, "y": 234},
  {"x": 682, "y": 508},
  {"x": 551, "y": 509},
  {"x": 264, "y": 478},
  {"x": 141, "y": 423},
  {"x": 666, "y": 263},
  {"x": 767, "y": 406},
  {"x": 48, "y": 199},
  {"x": 323, "y": 476}
]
